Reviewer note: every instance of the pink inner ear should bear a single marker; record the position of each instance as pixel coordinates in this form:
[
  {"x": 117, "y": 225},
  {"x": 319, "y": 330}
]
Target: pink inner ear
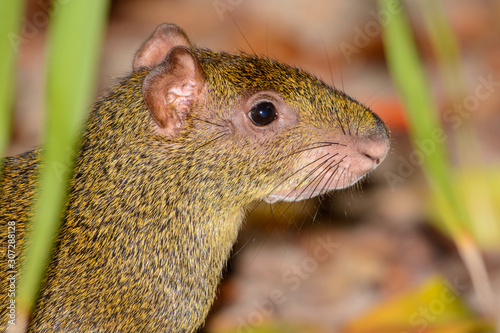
[
  {"x": 152, "y": 54},
  {"x": 154, "y": 51},
  {"x": 172, "y": 88}
]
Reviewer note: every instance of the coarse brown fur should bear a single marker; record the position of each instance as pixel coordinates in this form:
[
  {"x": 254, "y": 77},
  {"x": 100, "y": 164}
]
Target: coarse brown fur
[{"x": 150, "y": 220}]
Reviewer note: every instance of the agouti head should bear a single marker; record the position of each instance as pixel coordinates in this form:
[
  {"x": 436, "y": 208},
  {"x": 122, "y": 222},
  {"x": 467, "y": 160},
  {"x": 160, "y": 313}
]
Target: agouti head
[
  {"x": 168, "y": 161},
  {"x": 271, "y": 130}
]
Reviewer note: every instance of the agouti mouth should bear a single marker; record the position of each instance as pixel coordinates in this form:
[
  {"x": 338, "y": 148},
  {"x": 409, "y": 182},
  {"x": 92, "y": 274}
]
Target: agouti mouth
[
  {"x": 319, "y": 183},
  {"x": 358, "y": 160}
]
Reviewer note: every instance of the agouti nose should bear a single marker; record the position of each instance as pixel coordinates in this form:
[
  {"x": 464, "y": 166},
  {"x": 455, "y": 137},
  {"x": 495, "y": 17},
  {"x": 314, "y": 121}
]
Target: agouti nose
[
  {"x": 370, "y": 153},
  {"x": 373, "y": 150},
  {"x": 374, "y": 146}
]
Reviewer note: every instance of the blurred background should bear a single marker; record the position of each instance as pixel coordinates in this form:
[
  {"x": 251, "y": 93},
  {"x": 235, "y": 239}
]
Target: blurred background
[{"x": 374, "y": 258}]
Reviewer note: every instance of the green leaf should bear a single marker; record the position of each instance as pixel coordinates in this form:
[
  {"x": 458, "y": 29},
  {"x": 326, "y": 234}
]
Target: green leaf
[
  {"x": 427, "y": 135},
  {"x": 436, "y": 306},
  {"x": 10, "y": 23},
  {"x": 75, "y": 37}
]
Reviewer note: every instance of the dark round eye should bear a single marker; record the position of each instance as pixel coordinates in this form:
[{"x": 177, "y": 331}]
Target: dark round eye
[{"x": 263, "y": 113}]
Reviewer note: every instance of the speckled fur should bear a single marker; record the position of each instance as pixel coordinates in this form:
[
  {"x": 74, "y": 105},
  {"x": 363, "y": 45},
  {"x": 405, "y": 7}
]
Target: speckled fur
[{"x": 150, "y": 221}]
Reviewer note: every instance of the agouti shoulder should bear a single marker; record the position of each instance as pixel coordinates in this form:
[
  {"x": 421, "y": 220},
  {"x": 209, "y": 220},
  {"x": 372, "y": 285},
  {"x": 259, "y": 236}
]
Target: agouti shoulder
[{"x": 170, "y": 158}]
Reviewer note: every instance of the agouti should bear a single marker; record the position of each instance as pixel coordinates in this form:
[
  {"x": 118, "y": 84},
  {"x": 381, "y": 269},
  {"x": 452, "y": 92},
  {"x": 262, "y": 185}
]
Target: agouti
[{"x": 170, "y": 158}]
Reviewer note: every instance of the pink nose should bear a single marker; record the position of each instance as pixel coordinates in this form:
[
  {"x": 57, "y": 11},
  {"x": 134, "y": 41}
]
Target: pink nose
[
  {"x": 371, "y": 151},
  {"x": 375, "y": 150},
  {"x": 374, "y": 144}
]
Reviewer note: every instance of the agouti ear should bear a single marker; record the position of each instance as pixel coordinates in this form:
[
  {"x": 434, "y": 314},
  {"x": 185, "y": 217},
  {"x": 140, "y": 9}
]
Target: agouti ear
[
  {"x": 172, "y": 88},
  {"x": 164, "y": 38}
]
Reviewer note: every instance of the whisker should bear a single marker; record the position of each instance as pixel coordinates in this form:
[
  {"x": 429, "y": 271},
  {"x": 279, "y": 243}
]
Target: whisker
[
  {"x": 209, "y": 142},
  {"x": 323, "y": 174},
  {"x": 206, "y": 121},
  {"x": 327, "y": 59},
  {"x": 332, "y": 143},
  {"x": 267, "y": 38},
  {"x": 289, "y": 205},
  {"x": 349, "y": 123},
  {"x": 320, "y": 176},
  {"x": 245, "y": 244},
  {"x": 313, "y": 181},
  {"x": 310, "y": 173},
  {"x": 335, "y": 172},
  {"x": 241, "y": 32},
  {"x": 324, "y": 144},
  {"x": 338, "y": 121},
  {"x": 341, "y": 76},
  {"x": 325, "y": 186},
  {"x": 297, "y": 171},
  {"x": 275, "y": 212},
  {"x": 314, "y": 220},
  {"x": 341, "y": 173},
  {"x": 267, "y": 234},
  {"x": 332, "y": 175},
  {"x": 316, "y": 213},
  {"x": 374, "y": 96}
]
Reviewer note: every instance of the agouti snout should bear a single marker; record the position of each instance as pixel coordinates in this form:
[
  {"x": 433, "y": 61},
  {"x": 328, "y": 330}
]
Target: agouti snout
[{"x": 169, "y": 160}]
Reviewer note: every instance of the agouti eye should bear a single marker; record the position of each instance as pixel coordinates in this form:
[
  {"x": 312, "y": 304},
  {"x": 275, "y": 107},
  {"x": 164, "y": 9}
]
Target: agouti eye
[{"x": 263, "y": 113}]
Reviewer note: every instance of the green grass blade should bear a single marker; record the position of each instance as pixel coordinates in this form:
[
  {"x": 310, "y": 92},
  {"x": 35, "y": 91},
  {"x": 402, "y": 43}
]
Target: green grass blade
[
  {"x": 477, "y": 191},
  {"x": 11, "y": 12},
  {"x": 445, "y": 46},
  {"x": 75, "y": 37},
  {"x": 426, "y": 132}
]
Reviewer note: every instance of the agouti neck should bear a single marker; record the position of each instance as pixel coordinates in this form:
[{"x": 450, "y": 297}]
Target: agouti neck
[{"x": 153, "y": 222}]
